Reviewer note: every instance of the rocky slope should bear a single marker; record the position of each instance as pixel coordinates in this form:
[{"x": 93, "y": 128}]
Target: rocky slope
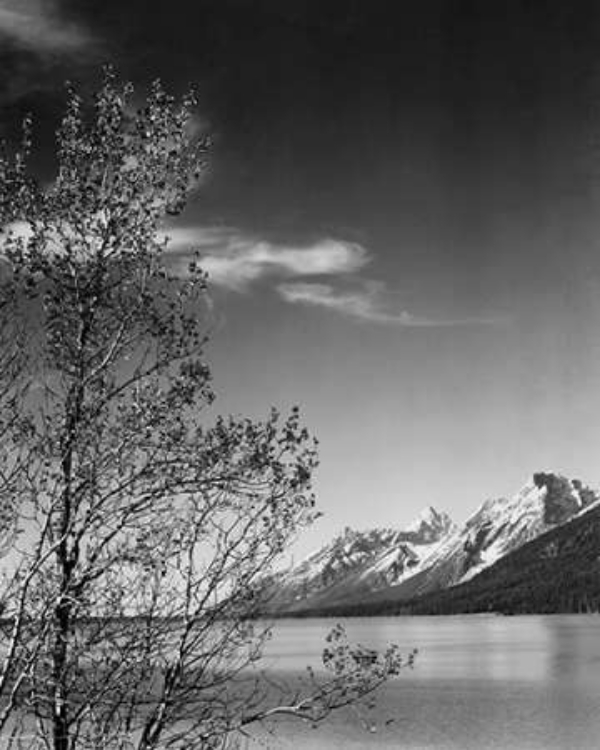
[{"x": 359, "y": 562}]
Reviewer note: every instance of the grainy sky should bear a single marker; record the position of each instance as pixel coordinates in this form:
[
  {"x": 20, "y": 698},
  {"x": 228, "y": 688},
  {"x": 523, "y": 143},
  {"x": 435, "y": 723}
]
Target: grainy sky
[{"x": 400, "y": 221}]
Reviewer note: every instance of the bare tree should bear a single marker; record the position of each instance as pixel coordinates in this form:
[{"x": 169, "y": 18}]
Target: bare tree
[{"x": 137, "y": 537}]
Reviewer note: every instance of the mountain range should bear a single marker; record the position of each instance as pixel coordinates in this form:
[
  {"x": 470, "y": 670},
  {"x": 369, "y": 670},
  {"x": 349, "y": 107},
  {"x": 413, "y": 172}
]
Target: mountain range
[{"x": 434, "y": 565}]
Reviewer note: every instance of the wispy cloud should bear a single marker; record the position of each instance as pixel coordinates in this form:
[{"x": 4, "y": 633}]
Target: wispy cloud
[
  {"x": 368, "y": 303},
  {"x": 37, "y": 26},
  {"x": 235, "y": 260}
]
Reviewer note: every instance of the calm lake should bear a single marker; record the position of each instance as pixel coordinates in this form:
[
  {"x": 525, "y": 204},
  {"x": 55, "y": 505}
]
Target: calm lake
[{"x": 478, "y": 682}]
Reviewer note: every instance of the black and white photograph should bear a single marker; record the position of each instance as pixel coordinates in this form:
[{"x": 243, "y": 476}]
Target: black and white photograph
[{"x": 299, "y": 375}]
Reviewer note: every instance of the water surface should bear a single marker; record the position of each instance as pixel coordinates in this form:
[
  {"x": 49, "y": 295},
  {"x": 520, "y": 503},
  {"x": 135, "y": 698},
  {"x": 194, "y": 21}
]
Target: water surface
[{"x": 479, "y": 682}]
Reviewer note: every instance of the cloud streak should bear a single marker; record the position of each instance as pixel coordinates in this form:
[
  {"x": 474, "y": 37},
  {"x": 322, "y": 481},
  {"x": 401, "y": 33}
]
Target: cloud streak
[
  {"x": 38, "y": 27},
  {"x": 236, "y": 261},
  {"x": 367, "y": 304}
]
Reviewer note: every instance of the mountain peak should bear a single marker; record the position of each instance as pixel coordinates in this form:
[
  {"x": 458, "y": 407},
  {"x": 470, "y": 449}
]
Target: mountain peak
[
  {"x": 563, "y": 497},
  {"x": 430, "y": 522}
]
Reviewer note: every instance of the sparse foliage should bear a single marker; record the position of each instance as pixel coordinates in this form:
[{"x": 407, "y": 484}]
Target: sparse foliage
[{"x": 135, "y": 536}]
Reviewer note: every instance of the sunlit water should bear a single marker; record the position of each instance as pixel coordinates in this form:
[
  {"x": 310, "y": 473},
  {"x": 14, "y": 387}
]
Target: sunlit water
[{"x": 479, "y": 682}]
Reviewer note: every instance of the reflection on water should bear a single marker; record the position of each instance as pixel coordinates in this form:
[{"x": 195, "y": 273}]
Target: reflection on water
[{"x": 479, "y": 682}]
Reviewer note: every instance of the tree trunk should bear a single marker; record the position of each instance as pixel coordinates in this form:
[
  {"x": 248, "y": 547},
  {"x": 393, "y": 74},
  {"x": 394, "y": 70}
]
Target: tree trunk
[
  {"x": 65, "y": 561},
  {"x": 60, "y": 724}
]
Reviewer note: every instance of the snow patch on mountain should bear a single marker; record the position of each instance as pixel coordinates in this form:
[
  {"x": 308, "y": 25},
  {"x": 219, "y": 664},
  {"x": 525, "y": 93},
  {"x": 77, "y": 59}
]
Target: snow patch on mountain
[{"x": 403, "y": 562}]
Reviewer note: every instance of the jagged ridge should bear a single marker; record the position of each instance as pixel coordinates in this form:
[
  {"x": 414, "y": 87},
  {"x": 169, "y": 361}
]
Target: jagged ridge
[
  {"x": 431, "y": 554},
  {"x": 362, "y": 561}
]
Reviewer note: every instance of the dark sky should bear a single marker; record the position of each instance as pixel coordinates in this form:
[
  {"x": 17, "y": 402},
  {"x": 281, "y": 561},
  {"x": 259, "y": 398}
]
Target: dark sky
[{"x": 400, "y": 221}]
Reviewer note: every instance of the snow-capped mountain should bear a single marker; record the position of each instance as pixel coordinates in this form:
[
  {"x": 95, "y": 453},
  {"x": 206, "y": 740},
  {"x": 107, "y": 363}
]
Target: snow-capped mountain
[
  {"x": 558, "y": 571},
  {"x": 499, "y": 526},
  {"x": 360, "y": 561},
  {"x": 432, "y": 553}
]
